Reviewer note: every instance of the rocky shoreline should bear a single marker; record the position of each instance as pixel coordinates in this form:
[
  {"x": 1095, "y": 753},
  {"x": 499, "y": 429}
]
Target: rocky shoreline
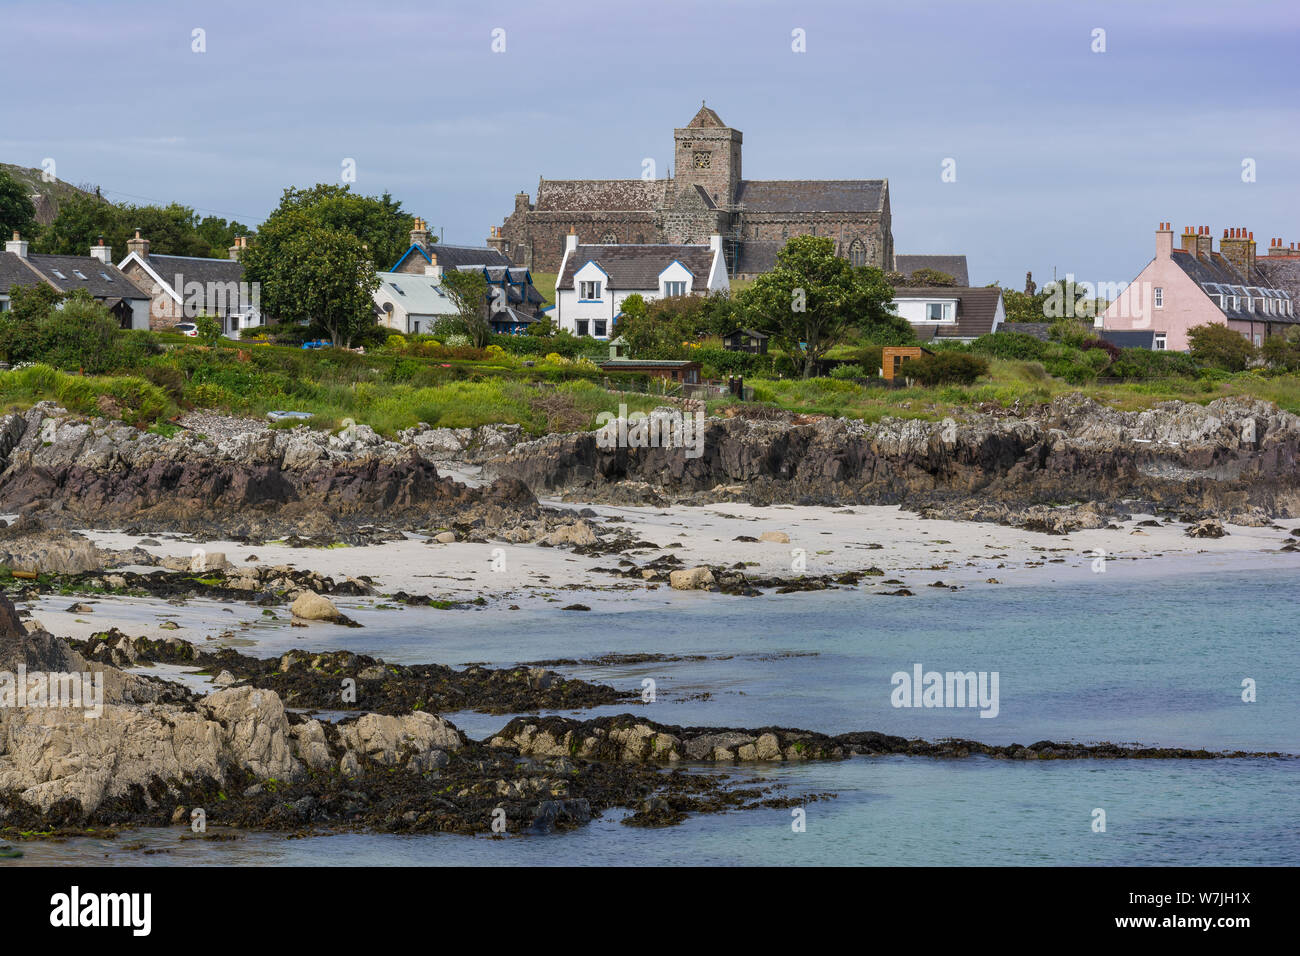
[
  {"x": 1234, "y": 459},
  {"x": 159, "y": 752}
]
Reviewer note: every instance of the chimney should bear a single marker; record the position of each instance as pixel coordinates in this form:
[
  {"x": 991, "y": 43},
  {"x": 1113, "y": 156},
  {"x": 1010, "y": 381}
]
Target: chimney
[
  {"x": 420, "y": 235},
  {"x": 1189, "y": 240},
  {"x": 1204, "y": 243},
  {"x": 1238, "y": 247},
  {"x": 571, "y": 241},
  {"x": 101, "y": 252},
  {"x": 17, "y": 246},
  {"x": 434, "y": 270},
  {"x": 139, "y": 246},
  {"x": 1277, "y": 248},
  {"x": 496, "y": 240},
  {"x": 234, "y": 251},
  {"x": 1164, "y": 241},
  {"x": 715, "y": 244}
]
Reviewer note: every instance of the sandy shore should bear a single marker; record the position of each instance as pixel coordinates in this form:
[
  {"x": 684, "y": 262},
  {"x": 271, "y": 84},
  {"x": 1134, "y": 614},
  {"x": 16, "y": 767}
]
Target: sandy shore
[{"x": 914, "y": 551}]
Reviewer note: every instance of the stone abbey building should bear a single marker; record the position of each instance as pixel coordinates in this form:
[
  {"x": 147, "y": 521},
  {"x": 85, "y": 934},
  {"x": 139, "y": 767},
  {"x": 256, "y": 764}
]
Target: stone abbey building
[{"x": 707, "y": 196}]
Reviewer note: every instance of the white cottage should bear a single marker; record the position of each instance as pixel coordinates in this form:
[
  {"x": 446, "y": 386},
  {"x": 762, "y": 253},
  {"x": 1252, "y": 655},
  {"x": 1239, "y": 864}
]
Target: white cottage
[{"x": 594, "y": 280}]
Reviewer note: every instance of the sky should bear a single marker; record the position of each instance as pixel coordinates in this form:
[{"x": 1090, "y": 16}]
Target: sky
[{"x": 1066, "y": 156}]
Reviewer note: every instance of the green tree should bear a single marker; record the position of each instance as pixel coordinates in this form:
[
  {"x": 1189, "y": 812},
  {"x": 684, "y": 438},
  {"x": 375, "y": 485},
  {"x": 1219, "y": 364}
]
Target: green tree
[
  {"x": 313, "y": 273},
  {"x": 17, "y": 214},
  {"x": 468, "y": 289},
  {"x": 172, "y": 230},
  {"x": 378, "y": 221},
  {"x": 1218, "y": 346},
  {"x": 209, "y": 330},
  {"x": 1283, "y": 351},
  {"x": 813, "y": 301}
]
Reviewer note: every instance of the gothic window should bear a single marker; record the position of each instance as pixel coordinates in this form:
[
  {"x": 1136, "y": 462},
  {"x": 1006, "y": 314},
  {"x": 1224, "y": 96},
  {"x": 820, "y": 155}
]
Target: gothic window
[
  {"x": 858, "y": 253},
  {"x": 609, "y": 239},
  {"x": 785, "y": 232},
  {"x": 703, "y": 159}
]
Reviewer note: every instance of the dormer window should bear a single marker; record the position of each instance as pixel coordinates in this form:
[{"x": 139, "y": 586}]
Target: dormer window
[
  {"x": 589, "y": 291},
  {"x": 674, "y": 288},
  {"x": 938, "y": 311}
]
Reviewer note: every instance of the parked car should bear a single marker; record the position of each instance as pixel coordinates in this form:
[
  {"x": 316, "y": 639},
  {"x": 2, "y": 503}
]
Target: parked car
[{"x": 187, "y": 328}]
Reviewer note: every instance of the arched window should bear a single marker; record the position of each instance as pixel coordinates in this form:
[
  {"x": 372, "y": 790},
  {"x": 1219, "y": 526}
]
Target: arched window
[
  {"x": 858, "y": 253},
  {"x": 609, "y": 239}
]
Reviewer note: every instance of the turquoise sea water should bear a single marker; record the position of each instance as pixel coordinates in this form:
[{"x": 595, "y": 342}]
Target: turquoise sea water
[{"x": 1153, "y": 658}]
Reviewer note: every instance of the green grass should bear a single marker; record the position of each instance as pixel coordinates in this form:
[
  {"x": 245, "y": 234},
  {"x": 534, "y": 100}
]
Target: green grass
[{"x": 544, "y": 282}]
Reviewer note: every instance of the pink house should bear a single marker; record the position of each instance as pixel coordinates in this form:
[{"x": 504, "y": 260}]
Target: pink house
[{"x": 1193, "y": 285}]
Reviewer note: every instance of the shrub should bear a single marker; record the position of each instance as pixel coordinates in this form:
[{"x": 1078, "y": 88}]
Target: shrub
[
  {"x": 1101, "y": 344},
  {"x": 947, "y": 368},
  {"x": 1218, "y": 346},
  {"x": 1010, "y": 345}
]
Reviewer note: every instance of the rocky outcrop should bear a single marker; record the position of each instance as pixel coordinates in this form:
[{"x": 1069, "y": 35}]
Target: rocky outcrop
[
  {"x": 470, "y": 446},
  {"x": 249, "y": 485},
  {"x": 1232, "y": 455}
]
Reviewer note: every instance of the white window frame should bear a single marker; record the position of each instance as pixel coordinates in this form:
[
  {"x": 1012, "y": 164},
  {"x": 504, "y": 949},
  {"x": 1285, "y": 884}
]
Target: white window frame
[
  {"x": 1159, "y": 297},
  {"x": 945, "y": 311},
  {"x": 1159, "y": 344},
  {"x": 589, "y": 290},
  {"x": 675, "y": 287}
]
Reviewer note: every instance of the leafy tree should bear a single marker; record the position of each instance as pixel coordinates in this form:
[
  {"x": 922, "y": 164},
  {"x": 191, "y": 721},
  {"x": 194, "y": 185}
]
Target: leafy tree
[
  {"x": 1218, "y": 346},
  {"x": 1024, "y": 306},
  {"x": 544, "y": 327},
  {"x": 1283, "y": 351},
  {"x": 813, "y": 300},
  {"x": 171, "y": 230},
  {"x": 468, "y": 289},
  {"x": 313, "y": 273},
  {"x": 17, "y": 214},
  {"x": 378, "y": 221}
]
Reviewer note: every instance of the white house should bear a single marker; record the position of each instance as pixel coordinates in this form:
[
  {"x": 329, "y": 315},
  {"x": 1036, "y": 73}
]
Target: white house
[
  {"x": 411, "y": 303},
  {"x": 594, "y": 280},
  {"x": 954, "y": 313}
]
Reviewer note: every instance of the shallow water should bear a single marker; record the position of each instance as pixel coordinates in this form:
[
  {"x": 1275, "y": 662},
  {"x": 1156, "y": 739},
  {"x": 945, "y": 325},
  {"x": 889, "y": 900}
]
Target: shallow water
[{"x": 1128, "y": 657}]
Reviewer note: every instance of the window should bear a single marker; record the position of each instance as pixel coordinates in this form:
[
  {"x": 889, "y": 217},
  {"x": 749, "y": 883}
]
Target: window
[
  {"x": 674, "y": 288},
  {"x": 858, "y": 253},
  {"x": 1160, "y": 342},
  {"x": 58, "y": 273},
  {"x": 78, "y": 273},
  {"x": 397, "y": 287},
  {"x": 609, "y": 239},
  {"x": 703, "y": 159},
  {"x": 589, "y": 291},
  {"x": 598, "y": 328},
  {"x": 582, "y": 326},
  {"x": 938, "y": 311},
  {"x": 1159, "y": 297},
  {"x": 1259, "y": 340},
  {"x": 107, "y": 277},
  {"x": 4, "y": 305}
]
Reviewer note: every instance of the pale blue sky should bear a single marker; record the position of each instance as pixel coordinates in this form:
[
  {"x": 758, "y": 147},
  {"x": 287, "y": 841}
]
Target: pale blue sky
[{"x": 1065, "y": 158}]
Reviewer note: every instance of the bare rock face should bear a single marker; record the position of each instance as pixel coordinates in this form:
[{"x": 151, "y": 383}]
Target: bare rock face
[
  {"x": 98, "y": 472},
  {"x": 27, "y": 546},
  {"x": 1230, "y": 456}
]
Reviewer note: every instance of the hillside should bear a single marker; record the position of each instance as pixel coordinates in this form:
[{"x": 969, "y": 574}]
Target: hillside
[{"x": 46, "y": 196}]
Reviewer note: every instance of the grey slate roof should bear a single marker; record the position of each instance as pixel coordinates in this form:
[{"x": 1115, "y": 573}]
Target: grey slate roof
[
  {"x": 1283, "y": 273},
  {"x": 637, "y": 266},
  {"x": 454, "y": 257},
  {"x": 13, "y": 272},
  {"x": 102, "y": 280},
  {"x": 1216, "y": 269},
  {"x": 976, "y": 310},
  {"x": 194, "y": 269},
  {"x": 811, "y": 195},
  {"x": 1039, "y": 330},
  {"x": 1129, "y": 338},
  {"x": 954, "y": 266}
]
